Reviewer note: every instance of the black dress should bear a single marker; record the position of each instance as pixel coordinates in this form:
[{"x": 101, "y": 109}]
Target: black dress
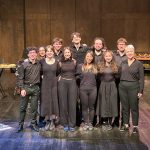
[
  {"x": 107, "y": 95},
  {"x": 49, "y": 97}
]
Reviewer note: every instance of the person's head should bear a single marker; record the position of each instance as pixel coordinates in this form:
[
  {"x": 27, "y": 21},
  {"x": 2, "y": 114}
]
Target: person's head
[
  {"x": 49, "y": 51},
  {"x": 67, "y": 53},
  {"x": 57, "y": 44},
  {"x": 76, "y": 37},
  {"x": 121, "y": 44},
  {"x": 108, "y": 56},
  {"x": 41, "y": 52},
  {"x": 32, "y": 53},
  {"x": 99, "y": 43},
  {"x": 108, "y": 60},
  {"x": 89, "y": 57},
  {"x": 130, "y": 51}
]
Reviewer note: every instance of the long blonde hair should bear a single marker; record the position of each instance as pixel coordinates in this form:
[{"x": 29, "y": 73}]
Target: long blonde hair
[
  {"x": 93, "y": 67},
  {"x": 102, "y": 65}
]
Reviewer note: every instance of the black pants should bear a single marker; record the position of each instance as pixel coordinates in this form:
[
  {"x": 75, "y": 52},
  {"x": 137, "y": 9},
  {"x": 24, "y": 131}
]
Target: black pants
[
  {"x": 88, "y": 98},
  {"x": 32, "y": 92},
  {"x": 128, "y": 92},
  {"x": 67, "y": 91}
]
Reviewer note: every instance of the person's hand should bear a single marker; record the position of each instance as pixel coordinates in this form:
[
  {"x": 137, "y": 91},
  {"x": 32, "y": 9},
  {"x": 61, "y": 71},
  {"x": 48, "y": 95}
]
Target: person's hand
[
  {"x": 140, "y": 95},
  {"x": 23, "y": 93}
]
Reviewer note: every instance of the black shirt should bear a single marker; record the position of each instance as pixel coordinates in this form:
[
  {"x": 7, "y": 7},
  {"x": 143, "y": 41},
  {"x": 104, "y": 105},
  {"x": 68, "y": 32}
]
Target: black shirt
[
  {"x": 29, "y": 73},
  {"x": 68, "y": 69},
  {"x": 118, "y": 58},
  {"x": 134, "y": 72},
  {"x": 79, "y": 54}
]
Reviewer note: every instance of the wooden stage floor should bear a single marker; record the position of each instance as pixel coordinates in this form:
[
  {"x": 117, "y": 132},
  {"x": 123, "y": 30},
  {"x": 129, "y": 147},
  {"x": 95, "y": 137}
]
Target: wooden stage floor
[{"x": 79, "y": 140}]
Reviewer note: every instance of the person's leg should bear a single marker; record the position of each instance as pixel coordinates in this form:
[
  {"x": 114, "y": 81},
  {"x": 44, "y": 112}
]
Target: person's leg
[
  {"x": 123, "y": 93},
  {"x": 84, "y": 102},
  {"x": 63, "y": 105},
  {"x": 72, "y": 100}
]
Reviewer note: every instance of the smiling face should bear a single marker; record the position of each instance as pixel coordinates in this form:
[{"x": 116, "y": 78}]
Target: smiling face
[
  {"x": 67, "y": 53},
  {"x": 108, "y": 57},
  {"x": 42, "y": 52},
  {"x": 49, "y": 53},
  {"x": 121, "y": 46},
  {"x": 76, "y": 39},
  {"x": 130, "y": 52},
  {"x": 98, "y": 44},
  {"x": 89, "y": 58},
  {"x": 57, "y": 46},
  {"x": 32, "y": 55}
]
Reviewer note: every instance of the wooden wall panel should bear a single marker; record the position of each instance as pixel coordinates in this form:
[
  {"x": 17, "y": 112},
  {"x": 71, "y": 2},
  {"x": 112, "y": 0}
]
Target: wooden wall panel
[
  {"x": 37, "y": 22},
  {"x": 11, "y": 30},
  {"x": 62, "y": 19},
  {"x": 88, "y": 19},
  {"x": 34, "y": 23}
]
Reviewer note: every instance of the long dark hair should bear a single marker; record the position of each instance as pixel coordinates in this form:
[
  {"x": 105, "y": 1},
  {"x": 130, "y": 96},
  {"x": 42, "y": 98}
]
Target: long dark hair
[{"x": 93, "y": 67}]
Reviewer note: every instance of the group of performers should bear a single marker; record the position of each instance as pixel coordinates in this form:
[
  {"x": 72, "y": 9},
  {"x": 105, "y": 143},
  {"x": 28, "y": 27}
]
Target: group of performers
[{"x": 76, "y": 83}]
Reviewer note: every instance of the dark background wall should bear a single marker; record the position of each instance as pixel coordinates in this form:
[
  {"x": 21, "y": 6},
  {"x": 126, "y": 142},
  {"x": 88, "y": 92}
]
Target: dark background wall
[{"x": 34, "y": 23}]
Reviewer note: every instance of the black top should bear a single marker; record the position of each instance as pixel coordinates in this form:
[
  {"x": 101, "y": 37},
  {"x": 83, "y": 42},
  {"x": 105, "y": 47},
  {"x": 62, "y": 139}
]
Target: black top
[
  {"x": 118, "y": 58},
  {"x": 68, "y": 69},
  {"x": 79, "y": 54},
  {"x": 58, "y": 56},
  {"x": 134, "y": 72},
  {"x": 108, "y": 75},
  {"x": 29, "y": 73},
  {"x": 87, "y": 78}
]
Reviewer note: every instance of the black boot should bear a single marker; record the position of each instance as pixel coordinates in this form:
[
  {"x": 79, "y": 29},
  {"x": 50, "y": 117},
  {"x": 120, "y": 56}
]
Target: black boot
[
  {"x": 34, "y": 127},
  {"x": 20, "y": 128}
]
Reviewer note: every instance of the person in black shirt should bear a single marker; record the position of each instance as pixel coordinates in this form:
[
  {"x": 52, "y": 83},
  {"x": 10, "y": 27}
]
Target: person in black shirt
[
  {"x": 131, "y": 88},
  {"x": 67, "y": 90},
  {"x": 107, "y": 95},
  {"x": 120, "y": 56},
  {"x": 57, "y": 44},
  {"x": 28, "y": 81},
  {"x": 88, "y": 91}
]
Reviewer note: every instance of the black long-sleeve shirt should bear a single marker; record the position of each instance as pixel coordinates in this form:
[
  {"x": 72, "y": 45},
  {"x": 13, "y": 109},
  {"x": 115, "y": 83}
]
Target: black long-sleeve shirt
[
  {"x": 134, "y": 72},
  {"x": 79, "y": 54},
  {"x": 28, "y": 73},
  {"x": 68, "y": 69}
]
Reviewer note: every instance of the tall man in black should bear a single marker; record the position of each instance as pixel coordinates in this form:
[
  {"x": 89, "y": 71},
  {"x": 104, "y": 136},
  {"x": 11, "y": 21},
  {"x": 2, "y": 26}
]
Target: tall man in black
[
  {"x": 79, "y": 50},
  {"x": 29, "y": 80}
]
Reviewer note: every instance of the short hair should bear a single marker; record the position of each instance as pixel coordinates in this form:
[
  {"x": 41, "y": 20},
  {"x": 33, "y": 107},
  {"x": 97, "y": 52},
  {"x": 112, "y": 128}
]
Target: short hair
[
  {"x": 75, "y": 34},
  {"x": 57, "y": 40},
  {"x": 28, "y": 49},
  {"x": 122, "y": 40},
  {"x": 130, "y": 46},
  {"x": 49, "y": 47},
  {"x": 102, "y": 39}
]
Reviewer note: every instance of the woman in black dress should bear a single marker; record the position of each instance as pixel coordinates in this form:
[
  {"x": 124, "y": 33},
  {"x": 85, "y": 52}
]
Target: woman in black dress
[
  {"x": 88, "y": 89},
  {"x": 107, "y": 95},
  {"x": 49, "y": 99},
  {"x": 67, "y": 90}
]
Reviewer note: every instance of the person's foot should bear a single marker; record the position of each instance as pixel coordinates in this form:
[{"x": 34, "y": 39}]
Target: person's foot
[
  {"x": 108, "y": 127},
  {"x": 52, "y": 126},
  {"x": 72, "y": 129},
  {"x": 85, "y": 127},
  {"x": 66, "y": 128},
  {"x": 135, "y": 130},
  {"x": 20, "y": 128},
  {"x": 90, "y": 127},
  {"x": 124, "y": 128},
  {"x": 34, "y": 127}
]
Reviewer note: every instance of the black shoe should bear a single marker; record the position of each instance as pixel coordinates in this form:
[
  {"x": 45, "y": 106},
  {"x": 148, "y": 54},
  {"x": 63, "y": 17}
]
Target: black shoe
[
  {"x": 20, "y": 128},
  {"x": 34, "y": 127},
  {"x": 135, "y": 130},
  {"x": 124, "y": 128}
]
